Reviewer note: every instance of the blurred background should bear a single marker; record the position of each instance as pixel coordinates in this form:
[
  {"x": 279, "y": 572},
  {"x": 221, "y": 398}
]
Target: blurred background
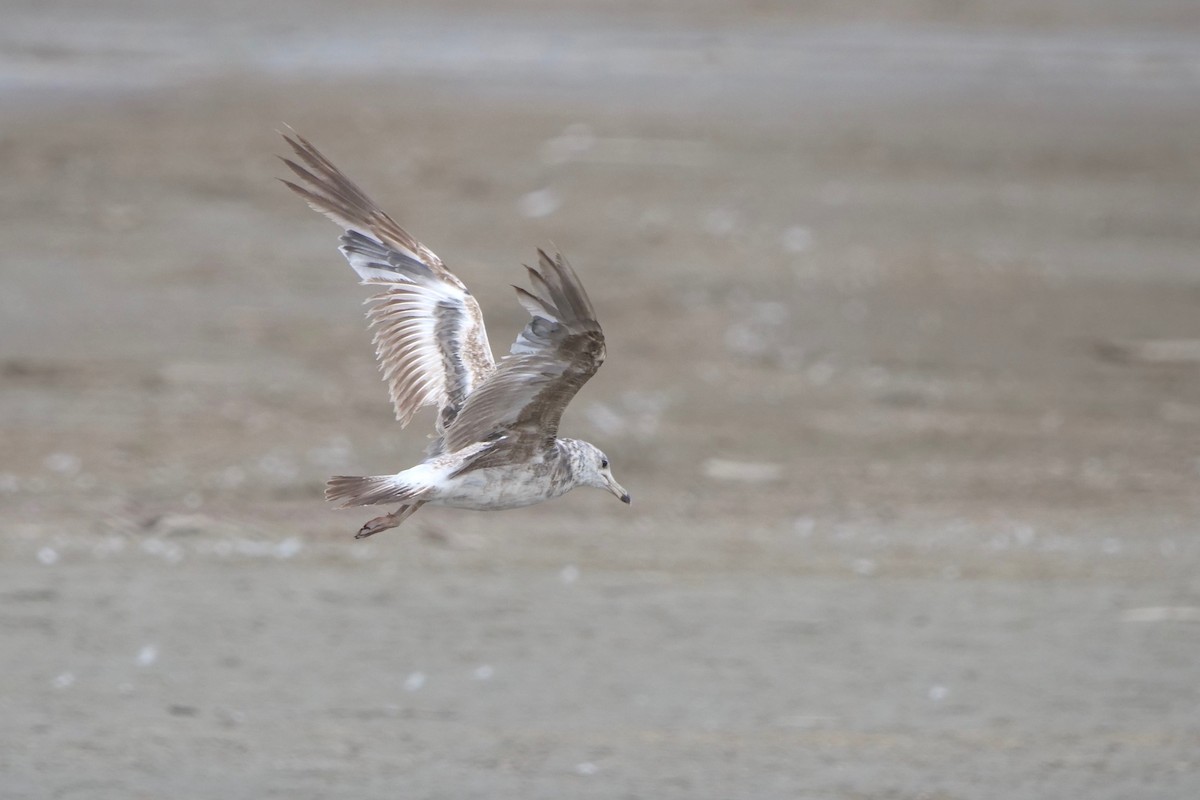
[{"x": 903, "y": 311}]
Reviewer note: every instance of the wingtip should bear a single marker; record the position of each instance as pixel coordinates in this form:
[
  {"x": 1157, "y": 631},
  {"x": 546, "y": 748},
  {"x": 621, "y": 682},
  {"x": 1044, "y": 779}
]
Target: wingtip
[
  {"x": 292, "y": 136},
  {"x": 544, "y": 259},
  {"x": 307, "y": 153},
  {"x": 291, "y": 139}
]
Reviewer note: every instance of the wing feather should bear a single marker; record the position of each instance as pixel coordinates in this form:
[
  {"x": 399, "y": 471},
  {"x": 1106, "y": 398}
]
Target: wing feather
[
  {"x": 430, "y": 337},
  {"x": 560, "y": 348}
]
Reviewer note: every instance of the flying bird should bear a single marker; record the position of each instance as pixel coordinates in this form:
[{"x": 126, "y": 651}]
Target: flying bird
[{"x": 497, "y": 444}]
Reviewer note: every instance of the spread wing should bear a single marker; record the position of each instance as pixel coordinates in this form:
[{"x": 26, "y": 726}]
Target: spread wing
[
  {"x": 429, "y": 333},
  {"x": 556, "y": 353}
]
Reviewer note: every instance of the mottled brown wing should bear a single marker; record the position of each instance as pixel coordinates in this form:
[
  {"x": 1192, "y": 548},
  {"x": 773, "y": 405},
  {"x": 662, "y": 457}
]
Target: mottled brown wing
[
  {"x": 331, "y": 193},
  {"x": 556, "y": 353},
  {"x": 429, "y": 332}
]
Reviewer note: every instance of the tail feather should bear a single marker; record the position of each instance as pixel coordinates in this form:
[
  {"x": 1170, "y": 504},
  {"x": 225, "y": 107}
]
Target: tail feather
[{"x": 370, "y": 490}]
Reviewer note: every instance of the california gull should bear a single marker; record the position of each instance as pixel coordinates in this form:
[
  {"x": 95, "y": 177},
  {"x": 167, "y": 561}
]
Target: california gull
[{"x": 497, "y": 444}]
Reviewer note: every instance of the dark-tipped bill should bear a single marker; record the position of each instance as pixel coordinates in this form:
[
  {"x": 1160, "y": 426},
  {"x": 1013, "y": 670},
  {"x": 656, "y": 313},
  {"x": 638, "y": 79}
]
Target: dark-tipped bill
[{"x": 618, "y": 490}]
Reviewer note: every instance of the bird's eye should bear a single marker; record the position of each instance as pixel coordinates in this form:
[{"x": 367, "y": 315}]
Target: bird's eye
[{"x": 604, "y": 463}]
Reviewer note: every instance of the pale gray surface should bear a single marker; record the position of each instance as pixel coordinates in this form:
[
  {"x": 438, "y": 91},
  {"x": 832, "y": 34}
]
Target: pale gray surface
[{"x": 871, "y": 264}]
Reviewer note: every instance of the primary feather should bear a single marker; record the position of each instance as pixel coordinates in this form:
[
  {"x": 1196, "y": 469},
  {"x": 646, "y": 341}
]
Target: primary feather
[{"x": 430, "y": 337}]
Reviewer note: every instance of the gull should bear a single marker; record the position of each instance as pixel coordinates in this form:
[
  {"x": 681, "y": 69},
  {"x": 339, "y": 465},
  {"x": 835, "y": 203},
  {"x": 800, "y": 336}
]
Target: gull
[{"x": 497, "y": 444}]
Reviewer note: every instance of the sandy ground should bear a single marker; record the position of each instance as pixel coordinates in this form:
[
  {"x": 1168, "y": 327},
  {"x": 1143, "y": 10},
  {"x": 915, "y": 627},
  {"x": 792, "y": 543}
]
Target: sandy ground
[{"x": 915, "y": 478}]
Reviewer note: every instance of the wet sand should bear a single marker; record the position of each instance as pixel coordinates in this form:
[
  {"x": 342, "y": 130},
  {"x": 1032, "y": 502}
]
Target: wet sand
[{"x": 915, "y": 477}]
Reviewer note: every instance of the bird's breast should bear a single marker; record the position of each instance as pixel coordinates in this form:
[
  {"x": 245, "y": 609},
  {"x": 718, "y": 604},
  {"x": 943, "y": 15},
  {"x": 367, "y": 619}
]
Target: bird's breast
[{"x": 495, "y": 488}]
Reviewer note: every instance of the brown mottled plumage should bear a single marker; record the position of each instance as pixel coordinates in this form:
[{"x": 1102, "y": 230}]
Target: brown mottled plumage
[{"x": 498, "y": 444}]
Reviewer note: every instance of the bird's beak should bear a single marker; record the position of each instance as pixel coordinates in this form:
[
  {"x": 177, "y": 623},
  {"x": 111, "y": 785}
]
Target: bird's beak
[{"x": 618, "y": 490}]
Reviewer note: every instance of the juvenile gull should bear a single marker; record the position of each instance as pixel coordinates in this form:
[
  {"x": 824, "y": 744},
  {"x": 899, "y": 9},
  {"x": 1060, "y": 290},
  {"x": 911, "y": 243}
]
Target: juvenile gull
[{"x": 497, "y": 443}]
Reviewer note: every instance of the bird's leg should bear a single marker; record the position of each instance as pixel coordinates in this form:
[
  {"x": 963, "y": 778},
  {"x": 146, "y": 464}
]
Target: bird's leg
[
  {"x": 378, "y": 524},
  {"x": 391, "y": 520}
]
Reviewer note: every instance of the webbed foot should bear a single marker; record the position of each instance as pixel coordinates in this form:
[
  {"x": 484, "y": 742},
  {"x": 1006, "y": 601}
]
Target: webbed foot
[{"x": 378, "y": 524}]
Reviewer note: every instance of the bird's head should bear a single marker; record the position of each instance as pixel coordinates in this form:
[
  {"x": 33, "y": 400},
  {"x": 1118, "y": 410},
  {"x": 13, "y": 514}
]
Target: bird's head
[{"x": 592, "y": 469}]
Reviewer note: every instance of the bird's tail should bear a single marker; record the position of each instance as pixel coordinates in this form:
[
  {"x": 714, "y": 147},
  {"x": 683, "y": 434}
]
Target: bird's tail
[{"x": 370, "y": 490}]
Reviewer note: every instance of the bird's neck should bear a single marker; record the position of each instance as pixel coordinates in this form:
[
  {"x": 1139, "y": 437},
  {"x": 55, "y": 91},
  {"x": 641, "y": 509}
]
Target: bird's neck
[{"x": 570, "y": 460}]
